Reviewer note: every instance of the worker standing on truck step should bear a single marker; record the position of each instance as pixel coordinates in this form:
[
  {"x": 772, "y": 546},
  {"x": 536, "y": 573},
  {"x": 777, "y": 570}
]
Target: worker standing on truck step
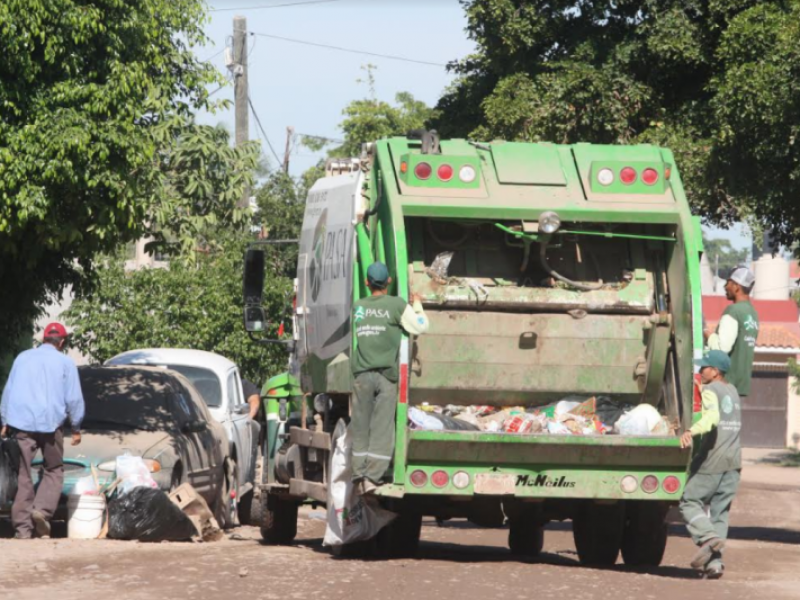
[
  {"x": 379, "y": 321},
  {"x": 715, "y": 470},
  {"x": 738, "y": 329}
]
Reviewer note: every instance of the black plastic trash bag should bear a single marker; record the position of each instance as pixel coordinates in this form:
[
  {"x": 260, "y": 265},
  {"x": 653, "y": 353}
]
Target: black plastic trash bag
[
  {"x": 609, "y": 411},
  {"x": 9, "y": 470},
  {"x": 148, "y": 515}
]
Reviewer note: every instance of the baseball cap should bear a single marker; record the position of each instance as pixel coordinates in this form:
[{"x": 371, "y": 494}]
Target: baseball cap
[
  {"x": 715, "y": 358},
  {"x": 378, "y": 275},
  {"x": 743, "y": 276},
  {"x": 55, "y": 330}
]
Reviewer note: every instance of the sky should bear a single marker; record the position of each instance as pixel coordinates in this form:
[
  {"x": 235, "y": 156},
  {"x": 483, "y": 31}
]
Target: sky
[{"x": 307, "y": 87}]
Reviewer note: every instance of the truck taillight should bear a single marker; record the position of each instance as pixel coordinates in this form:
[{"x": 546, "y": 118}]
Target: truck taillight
[
  {"x": 419, "y": 478},
  {"x": 461, "y": 480},
  {"x": 423, "y": 171},
  {"x": 650, "y": 176},
  {"x": 444, "y": 172},
  {"x": 629, "y": 484},
  {"x": 650, "y": 484},
  {"x": 467, "y": 174},
  {"x": 671, "y": 484},
  {"x": 440, "y": 479},
  {"x": 605, "y": 176},
  {"x": 403, "y": 387},
  {"x": 627, "y": 175}
]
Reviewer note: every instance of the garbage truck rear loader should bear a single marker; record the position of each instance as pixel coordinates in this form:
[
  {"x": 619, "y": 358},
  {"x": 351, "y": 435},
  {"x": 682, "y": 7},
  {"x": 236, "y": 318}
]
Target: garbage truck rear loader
[{"x": 547, "y": 272}]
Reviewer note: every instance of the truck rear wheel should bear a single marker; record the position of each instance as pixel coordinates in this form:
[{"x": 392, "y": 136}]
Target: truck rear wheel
[
  {"x": 525, "y": 536},
  {"x": 279, "y": 519},
  {"x": 598, "y": 529},
  {"x": 400, "y": 538},
  {"x": 645, "y": 538}
]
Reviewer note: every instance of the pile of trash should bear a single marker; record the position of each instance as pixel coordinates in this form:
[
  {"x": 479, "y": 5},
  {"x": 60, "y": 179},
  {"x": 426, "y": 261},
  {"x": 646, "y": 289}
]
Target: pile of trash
[{"x": 574, "y": 415}]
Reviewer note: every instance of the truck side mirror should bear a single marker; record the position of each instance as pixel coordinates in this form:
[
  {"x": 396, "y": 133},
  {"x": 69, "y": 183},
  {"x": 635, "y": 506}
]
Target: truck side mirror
[
  {"x": 254, "y": 319},
  {"x": 253, "y": 290}
]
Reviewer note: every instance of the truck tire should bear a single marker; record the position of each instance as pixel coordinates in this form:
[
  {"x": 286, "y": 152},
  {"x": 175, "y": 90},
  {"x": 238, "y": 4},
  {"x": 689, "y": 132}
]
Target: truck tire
[
  {"x": 597, "y": 530},
  {"x": 525, "y": 536},
  {"x": 645, "y": 537},
  {"x": 400, "y": 538},
  {"x": 279, "y": 520}
]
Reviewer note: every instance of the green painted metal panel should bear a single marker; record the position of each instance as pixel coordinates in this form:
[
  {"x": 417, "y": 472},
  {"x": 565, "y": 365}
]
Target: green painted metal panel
[{"x": 528, "y": 164}]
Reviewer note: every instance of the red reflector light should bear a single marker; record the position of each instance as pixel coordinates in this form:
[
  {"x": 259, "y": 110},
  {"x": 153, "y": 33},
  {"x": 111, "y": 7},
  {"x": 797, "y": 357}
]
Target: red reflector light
[
  {"x": 281, "y": 330},
  {"x": 440, "y": 479},
  {"x": 671, "y": 484},
  {"x": 627, "y": 175},
  {"x": 419, "y": 478},
  {"x": 650, "y": 176},
  {"x": 650, "y": 484},
  {"x": 423, "y": 170},
  {"x": 444, "y": 172},
  {"x": 404, "y": 167}
]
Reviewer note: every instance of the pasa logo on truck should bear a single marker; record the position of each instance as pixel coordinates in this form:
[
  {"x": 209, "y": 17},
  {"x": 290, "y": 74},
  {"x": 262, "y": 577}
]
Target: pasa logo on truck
[{"x": 329, "y": 255}]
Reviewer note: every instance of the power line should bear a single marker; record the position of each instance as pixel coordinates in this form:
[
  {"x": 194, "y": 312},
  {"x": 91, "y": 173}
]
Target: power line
[
  {"x": 350, "y": 50},
  {"x": 264, "y": 133},
  {"x": 272, "y": 5}
]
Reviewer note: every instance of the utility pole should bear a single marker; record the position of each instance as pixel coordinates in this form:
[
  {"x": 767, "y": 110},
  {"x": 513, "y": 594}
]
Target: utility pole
[
  {"x": 240, "y": 91},
  {"x": 289, "y": 134}
]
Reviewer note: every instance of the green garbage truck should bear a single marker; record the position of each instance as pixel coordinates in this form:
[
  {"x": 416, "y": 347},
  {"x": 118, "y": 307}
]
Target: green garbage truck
[{"x": 548, "y": 272}]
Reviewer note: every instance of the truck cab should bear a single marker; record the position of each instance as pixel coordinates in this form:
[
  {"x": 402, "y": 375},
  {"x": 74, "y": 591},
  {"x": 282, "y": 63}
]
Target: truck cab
[{"x": 546, "y": 271}]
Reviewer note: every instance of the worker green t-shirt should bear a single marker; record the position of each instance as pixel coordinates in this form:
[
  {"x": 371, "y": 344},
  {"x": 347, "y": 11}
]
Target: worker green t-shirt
[
  {"x": 376, "y": 320},
  {"x": 720, "y": 449},
  {"x": 744, "y": 347}
]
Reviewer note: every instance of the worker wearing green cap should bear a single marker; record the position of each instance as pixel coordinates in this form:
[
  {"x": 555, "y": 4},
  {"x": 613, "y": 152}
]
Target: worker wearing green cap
[
  {"x": 715, "y": 470},
  {"x": 379, "y": 321}
]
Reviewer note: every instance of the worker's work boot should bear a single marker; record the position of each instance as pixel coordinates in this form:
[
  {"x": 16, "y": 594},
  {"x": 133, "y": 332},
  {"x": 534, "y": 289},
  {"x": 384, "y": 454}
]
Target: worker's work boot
[
  {"x": 714, "y": 570},
  {"x": 367, "y": 487},
  {"x": 40, "y": 524},
  {"x": 706, "y": 552}
]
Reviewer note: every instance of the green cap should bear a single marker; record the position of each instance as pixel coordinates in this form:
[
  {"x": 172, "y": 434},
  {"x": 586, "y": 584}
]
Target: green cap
[
  {"x": 378, "y": 275},
  {"x": 715, "y": 358}
]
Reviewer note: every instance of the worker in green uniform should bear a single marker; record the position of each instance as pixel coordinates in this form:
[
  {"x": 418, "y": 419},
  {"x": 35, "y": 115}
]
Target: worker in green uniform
[
  {"x": 715, "y": 470},
  {"x": 737, "y": 330},
  {"x": 379, "y": 321}
]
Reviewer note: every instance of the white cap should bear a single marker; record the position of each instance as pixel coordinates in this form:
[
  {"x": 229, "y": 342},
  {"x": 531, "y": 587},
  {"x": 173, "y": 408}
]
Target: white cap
[{"x": 743, "y": 276}]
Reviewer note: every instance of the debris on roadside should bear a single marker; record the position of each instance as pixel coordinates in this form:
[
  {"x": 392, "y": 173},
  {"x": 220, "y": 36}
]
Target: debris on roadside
[
  {"x": 573, "y": 415},
  {"x": 148, "y": 515},
  {"x": 193, "y": 506}
]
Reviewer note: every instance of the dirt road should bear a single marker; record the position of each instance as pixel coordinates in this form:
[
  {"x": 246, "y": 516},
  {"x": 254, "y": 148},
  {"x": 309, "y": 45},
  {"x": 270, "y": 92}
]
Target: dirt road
[{"x": 456, "y": 562}]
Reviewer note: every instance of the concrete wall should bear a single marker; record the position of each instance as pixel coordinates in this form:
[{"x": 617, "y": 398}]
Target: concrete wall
[{"x": 793, "y": 400}]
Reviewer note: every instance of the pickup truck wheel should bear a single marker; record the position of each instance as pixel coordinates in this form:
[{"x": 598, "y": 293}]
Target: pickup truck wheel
[
  {"x": 400, "y": 538},
  {"x": 645, "y": 538},
  {"x": 250, "y": 511},
  {"x": 597, "y": 529},
  {"x": 279, "y": 520},
  {"x": 525, "y": 536},
  {"x": 225, "y": 509}
]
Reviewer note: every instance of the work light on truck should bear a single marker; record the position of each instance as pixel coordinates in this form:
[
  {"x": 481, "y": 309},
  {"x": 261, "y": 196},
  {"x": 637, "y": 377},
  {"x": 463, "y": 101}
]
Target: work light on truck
[
  {"x": 549, "y": 222},
  {"x": 461, "y": 480},
  {"x": 629, "y": 484}
]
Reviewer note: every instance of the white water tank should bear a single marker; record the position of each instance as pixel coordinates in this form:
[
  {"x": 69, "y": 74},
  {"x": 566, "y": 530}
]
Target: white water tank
[{"x": 772, "y": 278}]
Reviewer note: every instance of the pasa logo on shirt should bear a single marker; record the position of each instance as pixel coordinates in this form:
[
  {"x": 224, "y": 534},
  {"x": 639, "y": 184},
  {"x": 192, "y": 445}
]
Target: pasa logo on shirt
[
  {"x": 359, "y": 315},
  {"x": 750, "y": 324}
]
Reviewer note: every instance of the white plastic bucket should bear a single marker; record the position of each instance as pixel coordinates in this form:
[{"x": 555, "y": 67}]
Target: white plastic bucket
[{"x": 85, "y": 516}]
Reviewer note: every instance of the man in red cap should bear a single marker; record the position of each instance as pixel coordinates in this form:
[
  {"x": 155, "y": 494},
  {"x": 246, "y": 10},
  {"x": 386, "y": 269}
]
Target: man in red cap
[{"x": 42, "y": 392}]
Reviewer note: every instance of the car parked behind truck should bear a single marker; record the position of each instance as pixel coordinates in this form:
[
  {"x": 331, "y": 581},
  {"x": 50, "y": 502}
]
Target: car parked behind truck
[{"x": 220, "y": 384}]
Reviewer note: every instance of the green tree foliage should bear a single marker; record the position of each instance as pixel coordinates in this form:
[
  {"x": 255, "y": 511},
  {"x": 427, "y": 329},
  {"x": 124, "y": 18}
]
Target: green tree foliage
[
  {"x": 97, "y": 142},
  {"x": 714, "y": 80},
  {"x": 185, "y": 306},
  {"x": 722, "y": 254},
  {"x": 370, "y": 119}
]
